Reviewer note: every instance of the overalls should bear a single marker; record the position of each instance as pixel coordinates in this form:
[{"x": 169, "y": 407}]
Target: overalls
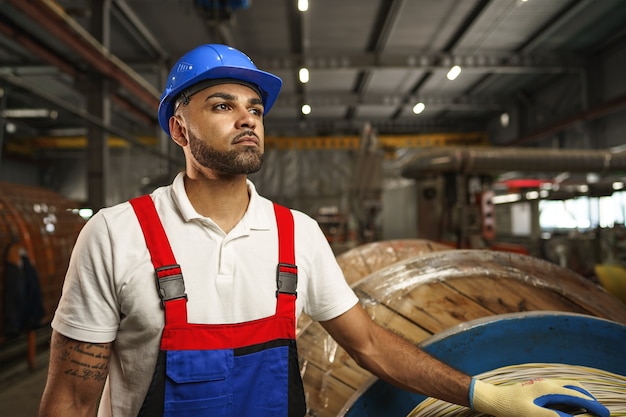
[{"x": 241, "y": 369}]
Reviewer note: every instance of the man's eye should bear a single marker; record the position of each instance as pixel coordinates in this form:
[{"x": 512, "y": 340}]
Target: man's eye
[{"x": 257, "y": 112}]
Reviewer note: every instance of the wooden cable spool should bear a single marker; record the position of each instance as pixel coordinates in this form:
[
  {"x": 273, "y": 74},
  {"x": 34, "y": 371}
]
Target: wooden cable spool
[
  {"x": 424, "y": 295},
  {"x": 43, "y": 223},
  {"x": 362, "y": 260}
]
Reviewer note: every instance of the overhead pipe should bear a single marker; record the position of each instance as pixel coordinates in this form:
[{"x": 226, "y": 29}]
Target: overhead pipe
[{"x": 479, "y": 160}]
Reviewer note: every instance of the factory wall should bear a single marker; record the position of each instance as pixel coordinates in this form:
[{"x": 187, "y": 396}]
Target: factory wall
[{"x": 307, "y": 180}]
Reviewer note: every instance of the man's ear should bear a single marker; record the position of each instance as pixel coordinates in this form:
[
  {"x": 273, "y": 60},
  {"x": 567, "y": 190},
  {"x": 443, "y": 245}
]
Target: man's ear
[{"x": 178, "y": 131}]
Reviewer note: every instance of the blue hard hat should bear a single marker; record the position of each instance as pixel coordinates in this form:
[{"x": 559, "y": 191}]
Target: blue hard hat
[{"x": 214, "y": 61}]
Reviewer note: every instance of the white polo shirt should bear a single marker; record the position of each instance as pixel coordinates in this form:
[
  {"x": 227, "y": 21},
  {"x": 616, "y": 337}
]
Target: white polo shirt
[{"x": 109, "y": 294}]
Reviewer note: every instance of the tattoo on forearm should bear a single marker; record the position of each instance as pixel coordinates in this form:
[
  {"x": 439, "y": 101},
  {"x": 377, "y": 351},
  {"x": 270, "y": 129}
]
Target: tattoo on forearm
[{"x": 87, "y": 361}]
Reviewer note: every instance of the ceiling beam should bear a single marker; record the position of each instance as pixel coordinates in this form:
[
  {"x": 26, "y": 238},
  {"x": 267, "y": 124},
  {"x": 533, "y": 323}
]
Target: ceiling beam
[
  {"x": 534, "y": 41},
  {"x": 52, "y": 18},
  {"x": 386, "y": 21},
  {"x": 141, "y": 33},
  {"x": 494, "y": 62},
  {"x": 81, "y": 113},
  {"x": 353, "y": 99},
  {"x": 299, "y": 42},
  {"x": 332, "y": 126}
]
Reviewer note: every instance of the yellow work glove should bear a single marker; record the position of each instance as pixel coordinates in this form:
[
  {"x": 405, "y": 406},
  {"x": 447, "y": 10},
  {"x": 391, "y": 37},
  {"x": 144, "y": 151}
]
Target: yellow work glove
[{"x": 534, "y": 398}]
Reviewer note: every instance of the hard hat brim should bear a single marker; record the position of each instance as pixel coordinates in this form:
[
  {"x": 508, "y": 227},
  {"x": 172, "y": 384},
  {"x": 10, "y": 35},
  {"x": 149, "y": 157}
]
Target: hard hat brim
[{"x": 268, "y": 84}]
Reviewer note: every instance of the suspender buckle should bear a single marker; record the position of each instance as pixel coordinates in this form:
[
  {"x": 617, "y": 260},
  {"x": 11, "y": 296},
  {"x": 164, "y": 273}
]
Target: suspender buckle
[
  {"x": 170, "y": 283},
  {"x": 286, "y": 279}
]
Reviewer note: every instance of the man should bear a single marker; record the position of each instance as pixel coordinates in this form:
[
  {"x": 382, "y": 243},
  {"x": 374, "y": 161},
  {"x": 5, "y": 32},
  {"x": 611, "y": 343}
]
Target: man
[{"x": 221, "y": 341}]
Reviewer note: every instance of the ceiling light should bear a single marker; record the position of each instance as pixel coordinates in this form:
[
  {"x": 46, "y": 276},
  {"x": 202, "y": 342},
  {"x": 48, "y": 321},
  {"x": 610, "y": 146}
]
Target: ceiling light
[
  {"x": 506, "y": 198},
  {"x": 419, "y": 107},
  {"x": 303, "y": 74},
  {"x": 592, "y": 178},
  {"x": 618, "y": 185},
  {"x": 28, "y": 113},
  {"x": 306, "y": 109},
  {"x": 532, "y": 195},
  {"x": 303, "y": 5},
  {"x": 504, "y": 119},
  {"x": 85, "y": 213},
  {"x": 454, "y": 72}
]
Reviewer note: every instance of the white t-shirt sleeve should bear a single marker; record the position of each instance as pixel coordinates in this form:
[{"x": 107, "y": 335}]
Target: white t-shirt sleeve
[
  {"x": 328, "y": 293},
  {"x": 88, "y": 309}
]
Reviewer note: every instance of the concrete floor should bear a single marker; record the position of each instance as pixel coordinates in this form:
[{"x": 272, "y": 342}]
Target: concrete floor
[
  {"x": 20, "y": 386},
  {"x": 20, "y": 394}
]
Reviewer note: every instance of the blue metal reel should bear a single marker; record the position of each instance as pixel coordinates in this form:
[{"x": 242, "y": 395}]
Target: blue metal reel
[{"x": 511, "y": 339}]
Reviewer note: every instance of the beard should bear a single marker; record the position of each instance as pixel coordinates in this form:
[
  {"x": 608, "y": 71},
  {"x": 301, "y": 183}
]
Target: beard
[{"x": 236, "y": 161}]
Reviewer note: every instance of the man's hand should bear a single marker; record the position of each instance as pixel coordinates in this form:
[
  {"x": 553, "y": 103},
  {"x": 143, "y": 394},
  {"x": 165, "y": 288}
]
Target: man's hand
[{"x": 538, "y": 398}]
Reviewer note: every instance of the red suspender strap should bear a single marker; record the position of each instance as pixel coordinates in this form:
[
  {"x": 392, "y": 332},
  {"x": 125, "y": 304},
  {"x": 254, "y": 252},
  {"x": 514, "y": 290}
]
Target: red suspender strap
[
  {"x": 169, "y": 278},
  {"x": 287, "y": 271}
]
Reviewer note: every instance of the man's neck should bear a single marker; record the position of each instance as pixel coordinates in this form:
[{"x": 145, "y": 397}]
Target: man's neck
[{"x": 224, "y": 200}]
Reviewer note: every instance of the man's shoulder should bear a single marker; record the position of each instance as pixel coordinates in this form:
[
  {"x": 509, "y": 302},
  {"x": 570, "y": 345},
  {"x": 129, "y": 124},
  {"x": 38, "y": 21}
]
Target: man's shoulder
[{"x": 123, "y": 212}]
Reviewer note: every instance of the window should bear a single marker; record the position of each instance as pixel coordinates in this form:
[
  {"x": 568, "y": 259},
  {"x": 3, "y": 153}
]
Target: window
[{"x": 583, "y": 212}]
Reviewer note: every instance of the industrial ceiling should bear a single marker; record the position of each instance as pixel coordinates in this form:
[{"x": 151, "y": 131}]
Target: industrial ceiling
[{"x": 369, "y": 62}]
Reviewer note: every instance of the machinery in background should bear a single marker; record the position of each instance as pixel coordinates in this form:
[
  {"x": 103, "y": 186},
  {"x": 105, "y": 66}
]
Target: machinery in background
[{"x": 494, "y": 198}]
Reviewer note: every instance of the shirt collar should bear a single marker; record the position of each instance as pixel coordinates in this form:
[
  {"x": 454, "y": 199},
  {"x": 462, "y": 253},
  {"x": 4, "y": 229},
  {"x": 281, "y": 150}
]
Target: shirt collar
[{"x": 257, "y": 216}]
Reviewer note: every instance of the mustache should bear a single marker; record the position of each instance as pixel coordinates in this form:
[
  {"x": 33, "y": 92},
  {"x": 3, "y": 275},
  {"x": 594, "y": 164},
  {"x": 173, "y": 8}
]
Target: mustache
[{"x": 244, "y": 134}]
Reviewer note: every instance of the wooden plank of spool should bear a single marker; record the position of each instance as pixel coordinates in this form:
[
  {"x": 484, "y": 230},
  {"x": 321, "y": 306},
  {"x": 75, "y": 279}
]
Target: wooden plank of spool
[
  {"x": 433, "y": 306},
  {"x": 325, "y": 354},
  {"x": 503, "y": 296},
  {"x": 325, "y": 405},
  {"x": 363, "y": 260}
]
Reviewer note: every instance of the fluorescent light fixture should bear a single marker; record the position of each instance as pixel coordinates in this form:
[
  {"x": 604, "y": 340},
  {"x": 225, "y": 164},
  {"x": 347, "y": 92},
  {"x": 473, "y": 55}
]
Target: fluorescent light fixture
[
  {"x": 303, "y": 5},
  {"x": 29, "y": 114},
  {"x": 532, "y": 195},
  {"x": 419, "y": 107},
  {"x": 303, "y": 75},
  {"x": 454, "y": 72},
  {"x": 592, "y": 178},
  {"x": 85, "y": 213},
  {"x": 506, "y": 198},
  {"x": 306, "y": 109},
  {"x": 618, "y": 185},
  {"x": 505, "y": 119}
]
